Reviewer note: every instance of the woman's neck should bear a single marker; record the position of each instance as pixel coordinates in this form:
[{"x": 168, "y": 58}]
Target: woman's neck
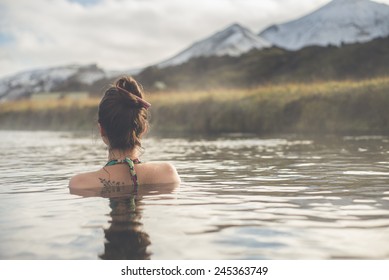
[{"x": 122, "y": 154}]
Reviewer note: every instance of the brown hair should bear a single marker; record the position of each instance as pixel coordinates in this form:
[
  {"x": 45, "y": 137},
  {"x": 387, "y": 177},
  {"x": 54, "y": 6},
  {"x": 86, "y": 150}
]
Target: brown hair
[{"x": 122, "y": 115}]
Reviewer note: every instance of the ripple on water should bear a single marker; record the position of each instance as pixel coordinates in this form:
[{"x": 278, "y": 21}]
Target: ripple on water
[{"x": 243, "y": 198}]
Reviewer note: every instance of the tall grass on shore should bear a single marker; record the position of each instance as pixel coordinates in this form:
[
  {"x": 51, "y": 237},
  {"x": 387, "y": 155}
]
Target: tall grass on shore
[
  {"x": 53, "y": 114},
  {"x": 323, "y": 107}
]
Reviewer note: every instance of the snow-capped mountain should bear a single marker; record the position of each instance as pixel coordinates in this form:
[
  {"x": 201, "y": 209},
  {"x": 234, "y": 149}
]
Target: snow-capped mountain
[
  {"x": 234, "y": 41},
  {"x": 46, "y": 80},
  {"x": 340, "y": 21}
]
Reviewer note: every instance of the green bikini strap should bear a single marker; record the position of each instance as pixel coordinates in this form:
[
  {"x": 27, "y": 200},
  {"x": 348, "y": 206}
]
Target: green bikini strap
[{"x": 131, "y": 163}]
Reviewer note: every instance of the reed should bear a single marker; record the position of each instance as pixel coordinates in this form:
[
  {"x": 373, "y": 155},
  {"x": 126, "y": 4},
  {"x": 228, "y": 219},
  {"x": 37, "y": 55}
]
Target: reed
[{"x": 322, "y": 107}]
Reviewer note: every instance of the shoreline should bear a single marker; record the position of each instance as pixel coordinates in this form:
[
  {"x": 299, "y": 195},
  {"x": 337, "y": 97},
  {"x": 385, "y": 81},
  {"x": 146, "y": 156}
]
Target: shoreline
[{"x": 333, "y": 107}]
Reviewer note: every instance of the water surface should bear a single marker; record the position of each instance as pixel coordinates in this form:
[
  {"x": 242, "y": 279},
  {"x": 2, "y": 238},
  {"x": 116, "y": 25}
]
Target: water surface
[{"x": 242, "y": 197}]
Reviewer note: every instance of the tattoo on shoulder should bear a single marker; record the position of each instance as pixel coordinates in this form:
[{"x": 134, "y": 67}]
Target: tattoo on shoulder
[{"x": 111, "y": 186}]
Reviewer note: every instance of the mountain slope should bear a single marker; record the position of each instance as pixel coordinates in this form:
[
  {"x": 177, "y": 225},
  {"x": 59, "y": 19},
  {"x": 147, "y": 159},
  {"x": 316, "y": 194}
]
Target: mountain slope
[
  {"x": 274, "y": 65},
  {"x": 340, "y": 21},
  {"x": 63, "y": 78},
  {"x": 233, "y": 41}
]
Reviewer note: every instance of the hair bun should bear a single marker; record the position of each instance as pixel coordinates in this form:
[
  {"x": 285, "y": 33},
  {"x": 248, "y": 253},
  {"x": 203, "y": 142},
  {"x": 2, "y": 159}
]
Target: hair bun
[
  {"x": 120, "y": 115},
  {"x": 130, "y": 85}
]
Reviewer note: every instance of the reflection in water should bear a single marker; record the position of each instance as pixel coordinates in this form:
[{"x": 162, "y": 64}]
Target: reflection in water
[{"x": 125, "y": 238}]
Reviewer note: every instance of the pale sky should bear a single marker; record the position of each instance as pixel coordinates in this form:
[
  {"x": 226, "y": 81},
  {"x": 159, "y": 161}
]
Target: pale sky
[{"x": 124, "y": 34}]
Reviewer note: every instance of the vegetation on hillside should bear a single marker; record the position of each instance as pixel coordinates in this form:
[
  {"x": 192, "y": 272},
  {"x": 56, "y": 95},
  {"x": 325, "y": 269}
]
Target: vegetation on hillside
[
  {"x": 344, "y": 107},
  {"x": 274, "y": 66}
]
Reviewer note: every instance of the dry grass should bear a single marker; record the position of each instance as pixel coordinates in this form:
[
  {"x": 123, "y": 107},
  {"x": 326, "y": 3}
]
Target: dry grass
[
  {"x": 46, "y": 105},
  {"x": 333, "y": 106},
  {"x": 284, "y": 92}
]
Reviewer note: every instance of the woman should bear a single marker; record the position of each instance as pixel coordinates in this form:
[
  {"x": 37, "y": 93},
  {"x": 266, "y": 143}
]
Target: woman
[{"x": 122, "y": 120}]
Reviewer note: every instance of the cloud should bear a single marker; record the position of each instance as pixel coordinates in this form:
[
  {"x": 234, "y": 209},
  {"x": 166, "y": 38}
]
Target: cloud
[{"x": 123, "y": 34}]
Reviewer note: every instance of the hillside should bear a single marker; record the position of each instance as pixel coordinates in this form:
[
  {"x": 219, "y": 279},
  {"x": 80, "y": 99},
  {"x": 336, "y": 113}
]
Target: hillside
[
  {"x": 339, "y": 21},
  {"x": 234, "y": 41},
  {"x": 55, "y": 79},
  {"x": 274, "y": 65},
  {"x": 256, "y": 67}
]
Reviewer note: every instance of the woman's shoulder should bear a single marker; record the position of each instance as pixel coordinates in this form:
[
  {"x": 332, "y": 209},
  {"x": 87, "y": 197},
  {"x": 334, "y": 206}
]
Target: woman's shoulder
[
  {"x": 83, "y": 179},
  {"x": 149, "y": 173},
  {"x": 158, "y": 172}
]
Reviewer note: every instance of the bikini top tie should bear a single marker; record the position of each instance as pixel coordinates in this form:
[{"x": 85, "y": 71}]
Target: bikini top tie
[{"x": 131, "y": 164}]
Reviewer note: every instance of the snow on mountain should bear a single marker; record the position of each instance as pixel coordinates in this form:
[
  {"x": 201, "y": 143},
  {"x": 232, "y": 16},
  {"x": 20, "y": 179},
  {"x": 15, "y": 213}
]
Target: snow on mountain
[
  {"x": 234, "y": 41},
  {"x": 46, "y": 80},
  {"x": 340, "y": 21}
]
